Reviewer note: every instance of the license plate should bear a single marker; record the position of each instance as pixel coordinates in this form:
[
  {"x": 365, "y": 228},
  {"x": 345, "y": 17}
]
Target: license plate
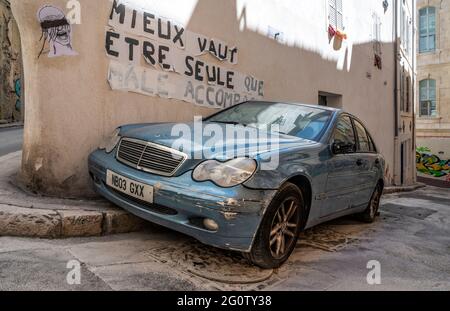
[{"x": 130, "y": 187}]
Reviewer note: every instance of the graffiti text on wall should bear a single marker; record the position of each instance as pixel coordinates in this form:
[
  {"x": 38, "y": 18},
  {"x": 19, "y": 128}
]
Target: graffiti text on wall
[{"x": 154, "y": 56}]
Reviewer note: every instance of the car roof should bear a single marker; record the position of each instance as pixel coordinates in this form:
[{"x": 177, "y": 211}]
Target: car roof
[{"x": 299, "y": 104}]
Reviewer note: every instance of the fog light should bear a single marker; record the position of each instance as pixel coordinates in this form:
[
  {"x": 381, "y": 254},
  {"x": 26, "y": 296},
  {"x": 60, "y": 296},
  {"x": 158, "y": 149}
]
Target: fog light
[{"x": 210, "y": 224}]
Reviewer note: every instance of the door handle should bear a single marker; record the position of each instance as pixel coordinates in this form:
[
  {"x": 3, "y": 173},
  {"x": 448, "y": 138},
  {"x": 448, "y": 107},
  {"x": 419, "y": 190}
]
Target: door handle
[{"x": 359, "y": 162}]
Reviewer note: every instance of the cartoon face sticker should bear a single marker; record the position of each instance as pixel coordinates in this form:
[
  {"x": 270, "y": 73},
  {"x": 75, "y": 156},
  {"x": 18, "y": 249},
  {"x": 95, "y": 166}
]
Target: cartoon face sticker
[{"x": 56, "y": 30}]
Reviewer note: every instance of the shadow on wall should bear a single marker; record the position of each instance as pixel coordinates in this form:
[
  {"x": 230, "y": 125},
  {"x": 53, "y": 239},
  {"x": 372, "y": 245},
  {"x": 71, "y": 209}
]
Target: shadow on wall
[
  {"x": 362, "y": 76},
  {"x": 268, "y": 55}
]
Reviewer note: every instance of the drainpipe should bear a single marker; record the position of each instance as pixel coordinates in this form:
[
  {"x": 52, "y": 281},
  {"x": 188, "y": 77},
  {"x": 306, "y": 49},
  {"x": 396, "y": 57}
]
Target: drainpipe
[
  {"x": 413, "y": 93},
  {"x": 396, "y": 131},
  {"x": 396, "y": 66}
]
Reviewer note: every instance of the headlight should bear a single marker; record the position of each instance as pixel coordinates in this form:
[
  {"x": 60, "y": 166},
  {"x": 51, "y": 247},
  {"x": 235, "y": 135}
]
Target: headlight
[
  {"x": 225, "y": 174},
  {"x": 111, "y": 142}
]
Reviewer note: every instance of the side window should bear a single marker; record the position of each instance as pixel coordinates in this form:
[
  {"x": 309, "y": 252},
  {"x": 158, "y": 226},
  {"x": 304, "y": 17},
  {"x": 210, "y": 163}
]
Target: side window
[
  {"x": 344, "y": 132},
  {"x": 364, "y": 144},
  {"x": 373, "y": 148}
]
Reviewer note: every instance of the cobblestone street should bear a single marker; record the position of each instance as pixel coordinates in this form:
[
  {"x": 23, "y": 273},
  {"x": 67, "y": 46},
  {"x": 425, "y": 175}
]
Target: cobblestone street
[{"x": 410, "y": 240}]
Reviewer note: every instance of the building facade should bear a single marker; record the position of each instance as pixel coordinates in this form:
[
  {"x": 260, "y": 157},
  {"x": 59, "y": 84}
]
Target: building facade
[
  {"x": 11, "y": 91},
  {"x": 349, "y": 54},
  {"x": 433, "y": 81}
]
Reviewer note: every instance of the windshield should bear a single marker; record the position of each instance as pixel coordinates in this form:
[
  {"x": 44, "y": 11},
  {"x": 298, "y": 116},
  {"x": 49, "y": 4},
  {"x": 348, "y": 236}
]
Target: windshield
[{"x": 290, "y": 119}]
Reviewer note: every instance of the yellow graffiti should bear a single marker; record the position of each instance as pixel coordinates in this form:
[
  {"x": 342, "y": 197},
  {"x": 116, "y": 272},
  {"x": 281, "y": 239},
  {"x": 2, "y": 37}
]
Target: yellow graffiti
[{"x": 431, "y": 164}]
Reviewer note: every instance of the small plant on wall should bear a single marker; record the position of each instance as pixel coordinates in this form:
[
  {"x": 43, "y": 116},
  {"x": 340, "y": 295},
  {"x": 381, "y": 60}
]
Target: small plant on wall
[{"x": 423, "y": 149}]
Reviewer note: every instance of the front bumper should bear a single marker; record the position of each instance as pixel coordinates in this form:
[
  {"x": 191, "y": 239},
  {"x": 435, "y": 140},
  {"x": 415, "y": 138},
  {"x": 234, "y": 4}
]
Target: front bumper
[{"x": 238, "y": 211}]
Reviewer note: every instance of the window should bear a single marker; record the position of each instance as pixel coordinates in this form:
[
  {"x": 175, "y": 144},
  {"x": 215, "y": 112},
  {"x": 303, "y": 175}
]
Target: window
[
  {"x": 427, "y": 41},
  {"x": 405, "y": 91},
  {"x": 406, "y": 30},
  {"x": 363, "y": 139},
  {"x": 344, "y": 132},
  {"x": 373, "y": 148},
  {"x": 428, "y": 98},
  {"x": 376, "y": 34},
  {"x": 336, "y": 17},
  {"x": 402, "y": 90},
  {"x": 408, "y": 93}
]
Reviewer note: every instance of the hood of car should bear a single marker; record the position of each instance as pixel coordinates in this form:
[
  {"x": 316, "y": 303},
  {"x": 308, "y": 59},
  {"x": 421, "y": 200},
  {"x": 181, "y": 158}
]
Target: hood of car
[{"x": 211, "y": 140}]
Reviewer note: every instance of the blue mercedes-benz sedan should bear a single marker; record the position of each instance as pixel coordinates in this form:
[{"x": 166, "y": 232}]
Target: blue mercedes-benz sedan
[{"x": 294, "y": 167}]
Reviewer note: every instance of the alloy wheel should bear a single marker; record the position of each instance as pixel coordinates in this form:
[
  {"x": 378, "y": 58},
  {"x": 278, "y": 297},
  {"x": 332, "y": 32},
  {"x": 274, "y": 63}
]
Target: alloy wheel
[
  {"x": 284, "y": 228},
  {"x": 375, "y": 203}
]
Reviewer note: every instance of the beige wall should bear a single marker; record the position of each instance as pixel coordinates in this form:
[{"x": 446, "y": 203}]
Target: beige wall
[
  {"x": 434, "y": 132},
  {"x": 71, "y": 108},
  {"x": 11, "y": 103}
]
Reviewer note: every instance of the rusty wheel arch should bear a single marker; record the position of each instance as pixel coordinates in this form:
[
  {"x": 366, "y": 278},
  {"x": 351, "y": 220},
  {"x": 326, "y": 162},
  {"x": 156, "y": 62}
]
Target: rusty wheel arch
[{"x": 303, "y": 183}]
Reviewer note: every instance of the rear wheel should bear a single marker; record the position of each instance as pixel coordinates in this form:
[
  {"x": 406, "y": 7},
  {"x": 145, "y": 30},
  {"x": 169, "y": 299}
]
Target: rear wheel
[
  {"x": 370, "y": 214},
  {"x": 279, "y": 229}
]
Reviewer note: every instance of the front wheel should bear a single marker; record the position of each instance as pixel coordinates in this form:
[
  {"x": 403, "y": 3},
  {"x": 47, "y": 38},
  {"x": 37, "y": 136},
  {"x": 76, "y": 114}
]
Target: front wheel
[{"x": 279, "y": 230}]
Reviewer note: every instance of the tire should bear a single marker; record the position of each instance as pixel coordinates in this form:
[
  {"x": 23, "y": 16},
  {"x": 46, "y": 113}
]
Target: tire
[
  {"x": 371, "y": 212},
  {"x": 279, "y": 229}
]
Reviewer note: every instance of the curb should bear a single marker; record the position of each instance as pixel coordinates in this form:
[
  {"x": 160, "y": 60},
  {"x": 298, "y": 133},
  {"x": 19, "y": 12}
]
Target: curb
[
  {"x": 23, "y": 214},
  {"x": 42, "y": 223},
  {"x": 434, "y": 182},
  {"x": 390, "y": 190},
  {"x": 10, "y": 125}
]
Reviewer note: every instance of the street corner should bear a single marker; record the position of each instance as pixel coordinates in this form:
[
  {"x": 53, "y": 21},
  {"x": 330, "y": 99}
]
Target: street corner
[{"x": 232, "y": 151}]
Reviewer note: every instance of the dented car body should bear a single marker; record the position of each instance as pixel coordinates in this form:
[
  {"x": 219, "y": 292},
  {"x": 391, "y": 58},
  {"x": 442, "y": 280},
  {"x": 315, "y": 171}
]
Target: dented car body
[{"x": 335, "y": 175}]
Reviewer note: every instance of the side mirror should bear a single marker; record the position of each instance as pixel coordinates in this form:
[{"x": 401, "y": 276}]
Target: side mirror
[{"x": 340, "y": 147}]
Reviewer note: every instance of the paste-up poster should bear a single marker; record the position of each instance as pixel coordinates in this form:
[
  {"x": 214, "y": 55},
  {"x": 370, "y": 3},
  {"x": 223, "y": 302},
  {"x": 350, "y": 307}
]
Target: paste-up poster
[
  {"x": 154, "y": 56},
  {"x": 56, "y": 32}
]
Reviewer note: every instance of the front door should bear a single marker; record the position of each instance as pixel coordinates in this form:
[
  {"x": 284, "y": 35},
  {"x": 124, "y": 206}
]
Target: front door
[{"x": 342, "y": 170}]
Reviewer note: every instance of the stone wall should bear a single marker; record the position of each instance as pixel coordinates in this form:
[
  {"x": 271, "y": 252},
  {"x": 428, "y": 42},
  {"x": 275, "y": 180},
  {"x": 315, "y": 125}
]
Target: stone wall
[
  {"x": 434, "y": 132},
  {"x": 11, "y": 91}
]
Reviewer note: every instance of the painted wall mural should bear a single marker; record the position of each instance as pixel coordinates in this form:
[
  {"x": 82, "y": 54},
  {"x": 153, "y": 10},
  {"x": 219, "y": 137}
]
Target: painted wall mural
[
  {"x": 11, "y": 101},
  {"x": 56, "y": 30},
  {"x": 18, "y": 92},
  {"x": 430, "y": 164},
  {"x": 154, "y": 56}
]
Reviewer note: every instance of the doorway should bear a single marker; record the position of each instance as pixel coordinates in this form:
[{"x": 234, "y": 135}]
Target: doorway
[{"x": 332, "y": 100}]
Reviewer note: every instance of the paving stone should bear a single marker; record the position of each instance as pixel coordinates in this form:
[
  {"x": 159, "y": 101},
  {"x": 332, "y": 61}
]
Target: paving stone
[
  {"x": 17, "y": 221},
  {"x": 81, "y": 223}
]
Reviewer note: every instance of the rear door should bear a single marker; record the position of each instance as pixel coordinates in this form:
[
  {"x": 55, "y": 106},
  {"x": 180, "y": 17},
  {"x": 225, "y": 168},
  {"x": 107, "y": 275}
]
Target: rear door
[
  {"x": 366, "y": 159},
  {"x": 342, "y": 171}
]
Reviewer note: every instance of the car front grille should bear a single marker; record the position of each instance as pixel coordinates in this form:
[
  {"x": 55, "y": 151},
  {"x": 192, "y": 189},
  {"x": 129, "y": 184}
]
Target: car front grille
[{"x": 150, "y": 157}]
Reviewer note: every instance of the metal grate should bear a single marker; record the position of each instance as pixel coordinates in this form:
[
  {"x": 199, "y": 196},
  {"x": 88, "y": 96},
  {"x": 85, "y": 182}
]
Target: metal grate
[{"x": 150, "y": 157}]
